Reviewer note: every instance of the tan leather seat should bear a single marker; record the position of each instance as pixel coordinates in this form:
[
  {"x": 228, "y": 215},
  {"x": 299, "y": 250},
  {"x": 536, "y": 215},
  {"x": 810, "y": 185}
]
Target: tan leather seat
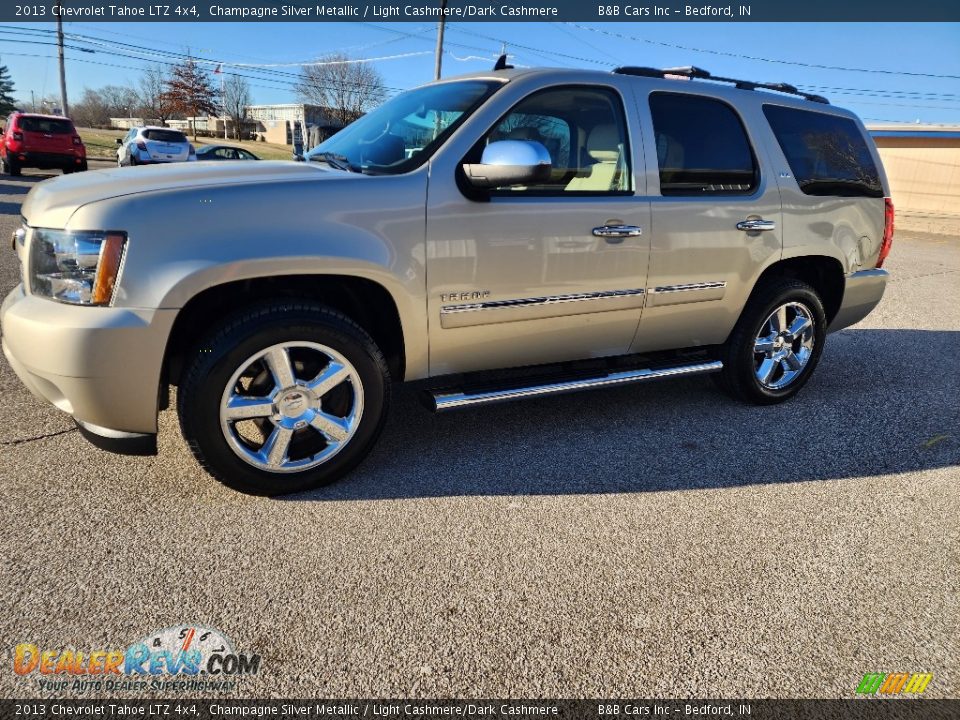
[{"x": 605, "y": 152}]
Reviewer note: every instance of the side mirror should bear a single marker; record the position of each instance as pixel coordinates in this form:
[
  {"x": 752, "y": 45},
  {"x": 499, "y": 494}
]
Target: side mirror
[
  {"x": 510, "y": 162},
  {"x": 119, "y": 141}
]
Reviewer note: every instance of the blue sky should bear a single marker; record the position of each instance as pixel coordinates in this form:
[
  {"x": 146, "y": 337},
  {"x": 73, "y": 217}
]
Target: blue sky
[{"x": 919, "y": 48}]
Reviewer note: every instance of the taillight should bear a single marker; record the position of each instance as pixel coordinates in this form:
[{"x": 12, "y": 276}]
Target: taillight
[
  {"x": 141, "y": 145},
  {"x": 76, "y": 140},
  {"x": 887, "y": 231}
]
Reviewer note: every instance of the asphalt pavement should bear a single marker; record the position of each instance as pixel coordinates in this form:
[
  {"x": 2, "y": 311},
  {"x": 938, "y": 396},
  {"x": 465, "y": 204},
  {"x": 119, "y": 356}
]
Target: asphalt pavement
[{"x": 653, "y": 541}]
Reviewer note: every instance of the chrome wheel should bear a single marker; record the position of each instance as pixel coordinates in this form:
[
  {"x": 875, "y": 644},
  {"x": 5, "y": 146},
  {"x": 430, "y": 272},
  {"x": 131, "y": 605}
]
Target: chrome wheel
[
  {"x": 291, "y": 407},
  {"x": 784, "y": 345}
]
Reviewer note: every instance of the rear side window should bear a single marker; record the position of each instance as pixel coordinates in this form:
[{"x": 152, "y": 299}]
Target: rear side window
[
  {"x": 702, "y": 147},
  {"x": 827, "y": 154},
  {"x": 172, "y": 136},
  {"x": 46, "y": 125}
]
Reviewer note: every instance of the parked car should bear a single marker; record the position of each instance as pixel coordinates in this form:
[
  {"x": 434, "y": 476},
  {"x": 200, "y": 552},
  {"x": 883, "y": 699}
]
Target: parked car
[
  {"x": 224, "y": 152},
  {"x": 41, "y": 141},
  {"x": 152, "y": 146},
  {"x": 606, "y": 227}
]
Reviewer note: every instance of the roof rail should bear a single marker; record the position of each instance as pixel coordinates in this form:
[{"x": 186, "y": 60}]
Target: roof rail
[{"x": 701, "y": 74}]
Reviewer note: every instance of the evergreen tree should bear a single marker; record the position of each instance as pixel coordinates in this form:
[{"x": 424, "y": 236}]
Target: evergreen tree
[{"x": 7, "y": 103}]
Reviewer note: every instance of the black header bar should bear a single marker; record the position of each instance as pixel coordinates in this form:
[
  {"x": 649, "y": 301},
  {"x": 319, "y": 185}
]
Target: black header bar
[{"x": 635, "y": 11}]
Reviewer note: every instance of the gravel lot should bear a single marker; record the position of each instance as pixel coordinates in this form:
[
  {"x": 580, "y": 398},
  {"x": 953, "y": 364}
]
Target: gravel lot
[{"x": 649, "y": 541}]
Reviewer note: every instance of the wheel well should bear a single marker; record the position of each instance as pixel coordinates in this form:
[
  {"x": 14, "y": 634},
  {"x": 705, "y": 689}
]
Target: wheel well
[
  {"x": 364, "y": 301},
  {"x": 824, "y": 274}
]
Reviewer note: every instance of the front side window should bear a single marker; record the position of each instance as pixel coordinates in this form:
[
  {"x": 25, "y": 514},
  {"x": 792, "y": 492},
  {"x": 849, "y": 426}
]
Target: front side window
[
  {"x": 583, "y": 129},
  {"x": 702, "y": 147},
  {"x": 403, "y": 132},
  {"x": 826, "y": 153}
]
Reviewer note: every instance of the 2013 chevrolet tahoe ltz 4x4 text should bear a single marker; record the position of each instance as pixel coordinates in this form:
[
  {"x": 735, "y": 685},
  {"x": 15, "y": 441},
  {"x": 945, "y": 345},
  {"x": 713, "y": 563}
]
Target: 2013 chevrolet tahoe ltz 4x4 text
[{"x": 609, "y": 227}]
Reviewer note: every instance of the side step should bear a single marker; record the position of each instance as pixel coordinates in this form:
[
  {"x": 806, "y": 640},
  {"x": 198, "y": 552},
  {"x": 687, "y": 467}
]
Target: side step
[{"x": 442, "y": 400}]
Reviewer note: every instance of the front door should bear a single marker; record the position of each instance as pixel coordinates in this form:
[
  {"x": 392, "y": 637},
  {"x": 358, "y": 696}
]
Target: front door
[{"x": 519, "y": 276}]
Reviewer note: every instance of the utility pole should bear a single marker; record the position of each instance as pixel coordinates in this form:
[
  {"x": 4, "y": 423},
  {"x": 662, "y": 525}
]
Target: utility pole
[
  {"x": 64, "y": 108},
  {"x": 438, "y": 63}
]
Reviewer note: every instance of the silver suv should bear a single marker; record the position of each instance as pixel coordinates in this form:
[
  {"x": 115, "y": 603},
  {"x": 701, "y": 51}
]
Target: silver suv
[{"x": 600, "y": 228}]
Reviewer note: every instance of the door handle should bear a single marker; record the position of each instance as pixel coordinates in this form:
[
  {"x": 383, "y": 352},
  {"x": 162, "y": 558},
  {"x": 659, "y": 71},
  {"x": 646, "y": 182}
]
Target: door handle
[
  {"x": 756, "y": 225},
  {"x": 616, "y": 233}
]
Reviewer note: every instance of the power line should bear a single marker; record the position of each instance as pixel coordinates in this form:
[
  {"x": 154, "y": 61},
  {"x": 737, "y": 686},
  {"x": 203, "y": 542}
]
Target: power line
[{"x": 757, "y": 58}]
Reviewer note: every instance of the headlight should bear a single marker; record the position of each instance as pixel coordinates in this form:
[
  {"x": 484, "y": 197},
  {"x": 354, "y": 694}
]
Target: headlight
[{"x": 75, "y": 267}]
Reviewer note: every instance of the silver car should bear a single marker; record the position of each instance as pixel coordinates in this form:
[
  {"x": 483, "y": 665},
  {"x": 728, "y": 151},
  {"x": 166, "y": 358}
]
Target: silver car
[
  {"x": 153, "y": 145},
  {"x": 569, "y": 229}
]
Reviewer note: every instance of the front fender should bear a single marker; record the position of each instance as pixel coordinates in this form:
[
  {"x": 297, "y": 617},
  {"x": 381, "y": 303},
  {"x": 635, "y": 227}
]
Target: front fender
[{"x": 182, "y": 242}]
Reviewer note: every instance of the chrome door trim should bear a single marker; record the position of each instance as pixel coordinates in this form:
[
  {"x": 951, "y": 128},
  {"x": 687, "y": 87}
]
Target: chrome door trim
[
  {"x": 686, "y": 293},
  {"x": 534, "y": 308},
  {"x": 687, "y": 287}
]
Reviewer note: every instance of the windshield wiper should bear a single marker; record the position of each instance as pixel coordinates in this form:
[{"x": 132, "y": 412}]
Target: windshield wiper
[{"x": 334, "y": 160}]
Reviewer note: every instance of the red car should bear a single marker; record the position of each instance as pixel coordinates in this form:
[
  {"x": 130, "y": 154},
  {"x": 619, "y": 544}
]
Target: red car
[{"x": 41, "y": 141}]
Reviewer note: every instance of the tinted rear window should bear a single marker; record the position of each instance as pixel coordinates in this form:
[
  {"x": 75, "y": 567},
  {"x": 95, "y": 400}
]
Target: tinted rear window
[
  {"x": 702, "y": 147},
  {"x": 45, "y": 125},
  {"x": 172, "y": 136},
  {"x": 827, "y": 154}
]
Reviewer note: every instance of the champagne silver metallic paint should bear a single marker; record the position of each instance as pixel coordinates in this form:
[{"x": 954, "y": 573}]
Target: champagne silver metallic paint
[{"x": 195, "y": 226}]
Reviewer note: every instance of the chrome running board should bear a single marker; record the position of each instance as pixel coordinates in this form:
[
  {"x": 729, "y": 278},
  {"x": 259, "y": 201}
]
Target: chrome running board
[{"x": 442, "y": 400}]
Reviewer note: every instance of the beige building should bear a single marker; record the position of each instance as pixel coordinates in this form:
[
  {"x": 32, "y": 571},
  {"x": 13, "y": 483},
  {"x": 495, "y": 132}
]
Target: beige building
[
  {"x": 278, "y": 123},
  {"x": 923, "y": 166}
]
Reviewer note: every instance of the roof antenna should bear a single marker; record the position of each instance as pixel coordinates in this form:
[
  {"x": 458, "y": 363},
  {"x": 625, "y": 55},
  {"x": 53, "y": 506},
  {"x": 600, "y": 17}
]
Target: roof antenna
[{"x": 502, "y": 63}]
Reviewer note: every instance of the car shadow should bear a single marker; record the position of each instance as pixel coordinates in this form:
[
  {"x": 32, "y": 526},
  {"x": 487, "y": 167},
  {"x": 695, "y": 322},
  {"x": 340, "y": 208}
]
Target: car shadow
[
  {"x": 18, "y": 186},
  {"x": 881, "y": 402}
]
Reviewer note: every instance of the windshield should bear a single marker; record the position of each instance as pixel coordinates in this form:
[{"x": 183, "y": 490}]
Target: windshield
[{"x": 400, "y": 134}]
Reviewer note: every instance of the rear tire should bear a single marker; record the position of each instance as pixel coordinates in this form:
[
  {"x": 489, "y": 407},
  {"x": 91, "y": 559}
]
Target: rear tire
[
  {"x": 775, "y": 345},
  {"x": 283, "y": 397},
  {"x": 12, "y": 168}
]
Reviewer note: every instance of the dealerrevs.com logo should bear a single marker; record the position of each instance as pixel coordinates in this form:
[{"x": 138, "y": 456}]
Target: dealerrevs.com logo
[
  {"x": 887, "y": 684},
  {"x": 184, "y": 658}
]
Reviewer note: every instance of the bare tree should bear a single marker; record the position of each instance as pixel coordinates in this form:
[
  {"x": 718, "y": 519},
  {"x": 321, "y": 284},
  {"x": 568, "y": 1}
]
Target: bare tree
[
  {"x": 348, "y": 89},
  {"x": 236, "y": 97},
  {"x": 97, "y": 106},
  {"x": 190, "y": 92},
  {"x": 153, "y": 98}
]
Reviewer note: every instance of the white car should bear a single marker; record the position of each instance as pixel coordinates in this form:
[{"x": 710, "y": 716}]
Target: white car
[{"x": 153, "y": 145}]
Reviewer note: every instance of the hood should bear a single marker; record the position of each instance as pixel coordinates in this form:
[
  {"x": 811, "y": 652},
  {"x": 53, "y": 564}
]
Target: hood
[{"x": 52, "y": 202}]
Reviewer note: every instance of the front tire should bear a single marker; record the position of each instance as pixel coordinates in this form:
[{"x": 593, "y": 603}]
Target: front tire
[
  {"x": 775, "y": 345},
  {"x": 284, "y": 397}
]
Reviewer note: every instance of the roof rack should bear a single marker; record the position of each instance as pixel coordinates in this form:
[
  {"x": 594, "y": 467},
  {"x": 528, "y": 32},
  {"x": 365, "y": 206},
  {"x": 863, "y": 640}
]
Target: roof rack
[{"x": 701, "y": 74}]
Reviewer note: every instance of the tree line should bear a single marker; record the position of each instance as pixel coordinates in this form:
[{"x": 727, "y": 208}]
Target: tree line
[{"x": 345, "y": 87}]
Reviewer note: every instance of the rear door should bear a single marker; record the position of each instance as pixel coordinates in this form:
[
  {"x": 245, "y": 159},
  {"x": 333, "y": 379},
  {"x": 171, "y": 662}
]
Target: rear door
[
  {"x": 716, "y": 216},
  {"x": 47, "y": 135}
]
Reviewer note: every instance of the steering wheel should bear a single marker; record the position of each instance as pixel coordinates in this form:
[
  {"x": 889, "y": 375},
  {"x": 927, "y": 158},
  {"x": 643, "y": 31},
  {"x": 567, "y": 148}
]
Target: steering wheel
[{"x": 370, "y": 140}]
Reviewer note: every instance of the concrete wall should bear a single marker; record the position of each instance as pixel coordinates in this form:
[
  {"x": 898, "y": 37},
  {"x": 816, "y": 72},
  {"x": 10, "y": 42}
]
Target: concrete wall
[{"x": 924, "y": 176}]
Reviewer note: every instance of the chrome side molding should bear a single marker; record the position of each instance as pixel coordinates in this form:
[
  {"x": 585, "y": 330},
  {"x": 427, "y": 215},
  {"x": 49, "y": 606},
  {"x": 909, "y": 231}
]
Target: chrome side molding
[
  {"x": 442, "y": 400},
  {"x": 539, "y": 308}
]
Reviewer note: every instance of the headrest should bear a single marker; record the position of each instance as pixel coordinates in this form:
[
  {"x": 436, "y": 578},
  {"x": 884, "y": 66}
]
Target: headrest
[{"x": 603, "y": 143}]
